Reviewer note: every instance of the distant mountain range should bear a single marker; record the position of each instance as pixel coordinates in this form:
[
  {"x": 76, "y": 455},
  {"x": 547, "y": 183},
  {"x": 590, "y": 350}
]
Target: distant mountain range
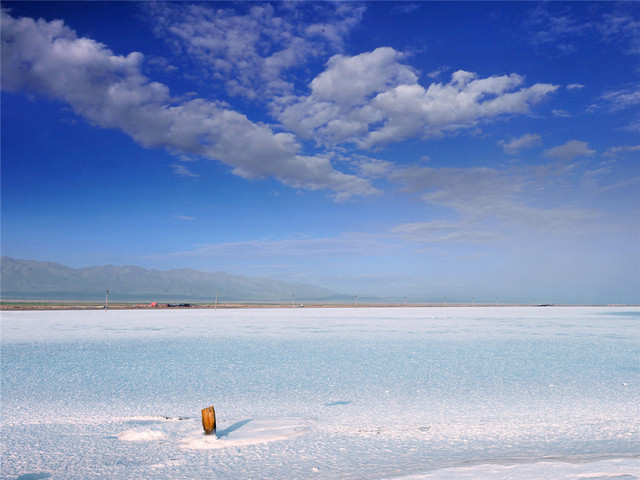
[{"x": 32, "y": 280}]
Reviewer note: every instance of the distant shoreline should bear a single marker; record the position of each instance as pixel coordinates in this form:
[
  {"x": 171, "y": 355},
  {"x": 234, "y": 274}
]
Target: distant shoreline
[{"x": 29, "y": 305}]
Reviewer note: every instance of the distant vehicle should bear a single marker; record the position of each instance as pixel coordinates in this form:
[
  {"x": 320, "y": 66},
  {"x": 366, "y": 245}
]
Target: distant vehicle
[{"x": 178, "y": 304}]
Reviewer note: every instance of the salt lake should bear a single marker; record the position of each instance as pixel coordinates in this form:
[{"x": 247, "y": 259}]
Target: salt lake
[{"x": 327, "y": 393}]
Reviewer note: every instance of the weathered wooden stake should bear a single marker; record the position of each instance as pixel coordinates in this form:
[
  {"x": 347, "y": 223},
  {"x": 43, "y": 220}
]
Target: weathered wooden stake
[{"x": 209, "y": 421}]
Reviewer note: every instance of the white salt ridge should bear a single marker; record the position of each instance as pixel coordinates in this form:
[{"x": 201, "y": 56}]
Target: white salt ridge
[
  {"x": 141, "y": 435},
  {"x": 564, "y": 469},
  {"x": 188, "y": 433}
]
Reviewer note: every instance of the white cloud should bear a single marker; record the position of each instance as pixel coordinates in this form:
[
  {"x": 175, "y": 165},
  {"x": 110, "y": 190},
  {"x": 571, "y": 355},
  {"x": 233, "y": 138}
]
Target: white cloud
[
  {"x": 337, "y": 110},
  {"x": 411, "y": 110},
  {"x": 513, "y": 146},
  {"x": 575, "y": 86},
  {"x": 569, "y": 151},
  {"x": 110, "y": 91},
  {"x": 372, "y": 99}
]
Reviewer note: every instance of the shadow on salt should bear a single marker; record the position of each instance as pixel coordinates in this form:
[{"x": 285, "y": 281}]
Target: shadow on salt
[{"x": 249, "y": 432}]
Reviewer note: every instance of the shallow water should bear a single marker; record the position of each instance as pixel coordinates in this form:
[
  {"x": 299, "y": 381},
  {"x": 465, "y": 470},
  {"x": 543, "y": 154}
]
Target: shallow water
[{"x": 323, "y": 393}]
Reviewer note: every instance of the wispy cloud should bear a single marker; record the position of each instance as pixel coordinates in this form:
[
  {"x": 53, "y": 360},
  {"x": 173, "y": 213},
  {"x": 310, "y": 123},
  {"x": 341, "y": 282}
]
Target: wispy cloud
[
  {"x": 555, "y": 25},
  {"x": 620, "y": 26},
  {"x": 621, "y": 99},
  {"x": 406, "y": 7},
  {"x": 183, "y": 171},
  {"x": 561, "y": 113},
  {"x": 619, "y": 151},
  {"x": 545, "y": 27},
  {"x": 348, "y": 245},
  {"x": 443, "y": 231},
  {"x": 438, "y": 71},
  {"x": 487, "y": 201},
  {"x": 253, "y": 53}
]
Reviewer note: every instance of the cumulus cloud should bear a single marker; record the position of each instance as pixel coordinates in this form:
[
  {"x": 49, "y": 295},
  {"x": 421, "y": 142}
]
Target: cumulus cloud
[
  {"x": 575, "y": 86},
  {"x": 110, "y": 91},
  {"x": 373, "y": 99},
  {"x": 513, "y": 146},
  {"x": 569, "y": 151},
  {"x": 348, "y": 80}
]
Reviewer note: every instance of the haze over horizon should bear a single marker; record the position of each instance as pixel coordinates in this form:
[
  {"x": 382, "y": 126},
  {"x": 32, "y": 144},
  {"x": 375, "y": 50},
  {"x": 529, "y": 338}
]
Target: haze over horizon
[{"x": 443, "y": 149}]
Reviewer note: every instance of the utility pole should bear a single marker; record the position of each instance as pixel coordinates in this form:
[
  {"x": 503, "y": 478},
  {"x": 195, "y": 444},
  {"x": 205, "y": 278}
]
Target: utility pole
[
  {"x": 106, "y": 304},
  {"x": 216, "y": 305}
]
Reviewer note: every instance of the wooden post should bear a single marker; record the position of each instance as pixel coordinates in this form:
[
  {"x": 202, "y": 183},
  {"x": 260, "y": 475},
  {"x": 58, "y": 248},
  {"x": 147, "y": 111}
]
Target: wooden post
[{"x": 209, "y": 421}]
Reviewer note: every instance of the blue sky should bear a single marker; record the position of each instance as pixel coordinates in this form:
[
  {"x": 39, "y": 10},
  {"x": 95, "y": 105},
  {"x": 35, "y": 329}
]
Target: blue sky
[{"x": 422, "y": 149}]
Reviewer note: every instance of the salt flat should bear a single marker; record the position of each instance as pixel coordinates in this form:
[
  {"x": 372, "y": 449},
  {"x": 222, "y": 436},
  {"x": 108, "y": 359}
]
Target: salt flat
[{"x": 485, "y": 392}]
